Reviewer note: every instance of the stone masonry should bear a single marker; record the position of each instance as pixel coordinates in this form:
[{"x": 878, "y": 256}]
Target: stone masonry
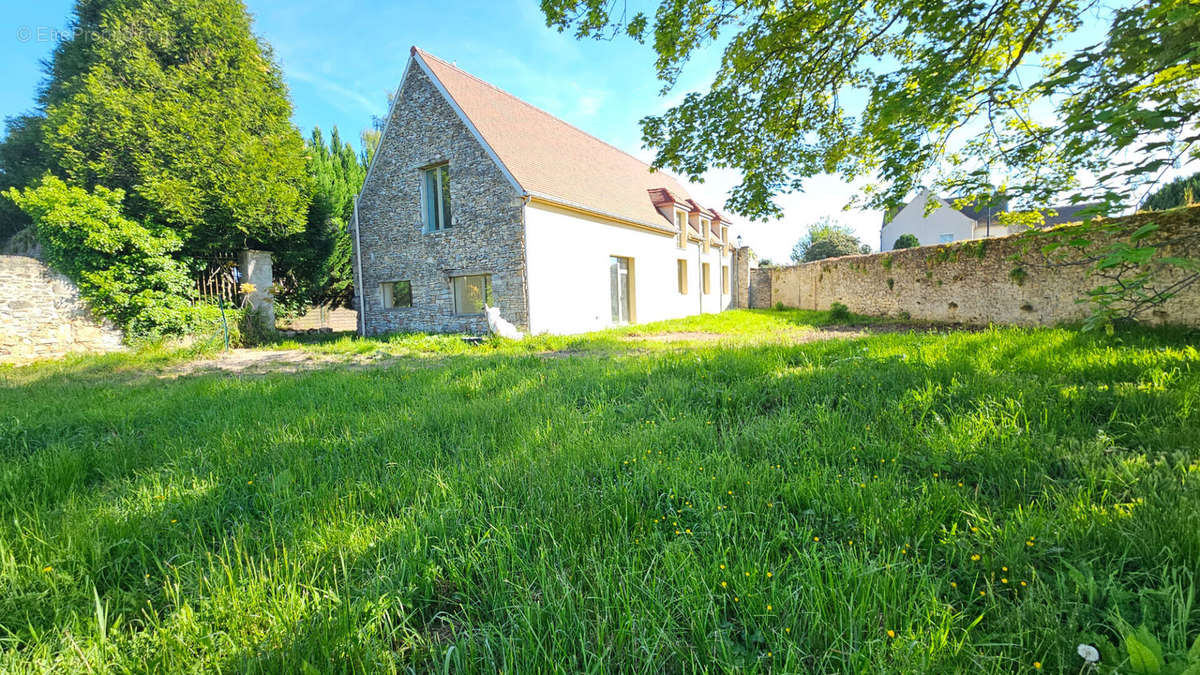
[
  {"x": 975, "y": 282},
  {"x": 487, "y": 232},
  {"x": 42, "y": 315}
]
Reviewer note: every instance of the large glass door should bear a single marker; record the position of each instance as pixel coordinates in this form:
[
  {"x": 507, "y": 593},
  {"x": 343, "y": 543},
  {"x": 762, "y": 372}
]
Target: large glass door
[{"x": 618, "y": 272}]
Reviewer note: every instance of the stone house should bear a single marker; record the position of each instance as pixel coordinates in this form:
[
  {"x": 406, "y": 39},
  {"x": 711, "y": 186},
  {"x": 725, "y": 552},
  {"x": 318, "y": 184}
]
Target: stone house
[{"x": 475, "y": 197}]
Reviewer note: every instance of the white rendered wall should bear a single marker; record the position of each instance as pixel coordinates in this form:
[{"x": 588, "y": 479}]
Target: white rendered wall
[
  {"x": 567, "y": 268},
  {"x": 912, "y": 220}
]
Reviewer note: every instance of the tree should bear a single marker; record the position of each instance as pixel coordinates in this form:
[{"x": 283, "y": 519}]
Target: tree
[
  {"x": 906, "y": 240},
  {"x": 124, "y": 269},
  {"x": 958, "y": 95},
  {"x": 316, "y": 263},
  {"x": 1179, "y": 192},
  {"x": 826, "y": 238},
  {"x": 22, "y": 163},
  {"x": 179, "y": 106}
]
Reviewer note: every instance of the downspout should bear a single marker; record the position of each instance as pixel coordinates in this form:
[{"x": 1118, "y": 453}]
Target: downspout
[
  {"x": 362, "y": 305},
  {"x": 525, "y": 199},
  {"x": 700, "y": 274}
]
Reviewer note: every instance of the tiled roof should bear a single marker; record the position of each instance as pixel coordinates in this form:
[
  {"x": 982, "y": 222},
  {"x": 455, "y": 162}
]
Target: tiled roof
[
  {"x": 551, "y": 159},
  {"x": 1068, "y": 213}
]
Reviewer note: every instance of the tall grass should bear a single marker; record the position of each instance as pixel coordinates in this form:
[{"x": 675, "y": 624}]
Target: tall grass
[{"x": 901, "y": 503}]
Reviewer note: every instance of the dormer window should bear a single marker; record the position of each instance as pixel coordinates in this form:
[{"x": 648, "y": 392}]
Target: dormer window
[
  {"x": 435, "y": 197},
  {"x": 681, "y": 228}
]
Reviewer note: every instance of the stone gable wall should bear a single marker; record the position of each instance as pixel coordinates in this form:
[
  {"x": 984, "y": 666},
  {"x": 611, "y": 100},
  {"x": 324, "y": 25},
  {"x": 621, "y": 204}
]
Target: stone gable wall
[
  {"x": 487, "y": 235},
  {"x": 42, "y": 315},
  {"x": 969, "y": 282}
]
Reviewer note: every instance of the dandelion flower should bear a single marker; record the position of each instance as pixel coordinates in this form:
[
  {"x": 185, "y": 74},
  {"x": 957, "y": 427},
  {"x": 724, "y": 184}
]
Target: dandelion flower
[
  {"x": 723, "y": 584},
  {"x": 1037, "y": 665},
  {"x": 769, "y": 575},
  {"x": 982, "y": 593},
  {"x": 891, "y": 633},
  {"x": 1003, "y": 580},
  {"x": 787, "y": 630},
  {"x": 975, "y": 556},
  {"x": 768, "y": 608},
  {"x": 722, "y": 567},
  {"x": 816, "y": 539},
  {"x": 1003, "y": 568},
  {"x": 1024, "y": 584},
  {"x": 1088, "y": 653},
  {"x": 953, "y": 584},
  {"x": 47, "y": 568},
  {"x": 736, "y": 599}
]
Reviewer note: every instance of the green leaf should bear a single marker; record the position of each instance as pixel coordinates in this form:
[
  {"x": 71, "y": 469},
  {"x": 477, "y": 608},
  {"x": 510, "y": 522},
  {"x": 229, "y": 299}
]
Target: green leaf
[
  {"x": 1145, "y": 654},
  {"x": 1194, "y": 652},
  {"x": 1144, "y": 231}
]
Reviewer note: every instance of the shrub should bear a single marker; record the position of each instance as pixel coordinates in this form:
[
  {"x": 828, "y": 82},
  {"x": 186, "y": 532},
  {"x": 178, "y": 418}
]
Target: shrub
[
  {"x": 253, "y": 328},
  {"x": 779, "y": 307},
  {"x": 907, "y": 240},
  {"x": 123, "y": 268},
  {"x": 839, "y": 312}
]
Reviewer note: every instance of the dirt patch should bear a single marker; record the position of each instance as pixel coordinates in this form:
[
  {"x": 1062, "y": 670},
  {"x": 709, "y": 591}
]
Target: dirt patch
[
  {"x": 252, "y": 361},
  {"x": 696, "y": 336}
]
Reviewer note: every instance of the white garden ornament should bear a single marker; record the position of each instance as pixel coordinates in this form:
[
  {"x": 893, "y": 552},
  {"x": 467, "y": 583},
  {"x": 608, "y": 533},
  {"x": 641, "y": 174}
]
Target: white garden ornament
[{"x": 499, "y": 326}]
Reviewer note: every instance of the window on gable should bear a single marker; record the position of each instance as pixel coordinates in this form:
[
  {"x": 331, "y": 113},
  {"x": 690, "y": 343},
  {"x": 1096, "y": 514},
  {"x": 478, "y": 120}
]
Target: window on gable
[
  {"x": 471, "y": 293},
  {"x": 681, "y": 274},
  {"x": 435, "y": 197},
  {"x": 396, "y": 294}
]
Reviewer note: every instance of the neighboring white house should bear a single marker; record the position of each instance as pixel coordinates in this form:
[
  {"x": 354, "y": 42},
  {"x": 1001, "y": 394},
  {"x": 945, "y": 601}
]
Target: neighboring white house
[
  {"x": 475, "y": 197},
  {"x": 945, "y": 223}
]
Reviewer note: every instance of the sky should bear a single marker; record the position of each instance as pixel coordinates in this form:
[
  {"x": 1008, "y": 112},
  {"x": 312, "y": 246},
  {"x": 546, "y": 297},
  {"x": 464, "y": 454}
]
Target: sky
[{"x": 341, "y": 59}]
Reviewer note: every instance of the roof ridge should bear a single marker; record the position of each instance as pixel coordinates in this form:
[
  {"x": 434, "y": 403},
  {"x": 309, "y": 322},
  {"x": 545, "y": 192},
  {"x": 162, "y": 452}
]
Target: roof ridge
[{"x": 422, "y": 52}]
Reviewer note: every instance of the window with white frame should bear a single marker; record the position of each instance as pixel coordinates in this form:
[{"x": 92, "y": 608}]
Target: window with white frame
[
  {"x": 435, "y": 197},
  {"x": 471, "y": 293},
  {"x": 396, "y": 294}
]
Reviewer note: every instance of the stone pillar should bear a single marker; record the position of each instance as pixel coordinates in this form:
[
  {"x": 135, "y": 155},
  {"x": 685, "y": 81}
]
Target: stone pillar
[
  {"x": 255, "y": 267},
  {"x": 741, "y": 278}
]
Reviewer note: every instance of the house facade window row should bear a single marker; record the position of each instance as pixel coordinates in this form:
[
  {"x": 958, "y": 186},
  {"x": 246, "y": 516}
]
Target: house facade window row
[{"x": 470, "y": 293}]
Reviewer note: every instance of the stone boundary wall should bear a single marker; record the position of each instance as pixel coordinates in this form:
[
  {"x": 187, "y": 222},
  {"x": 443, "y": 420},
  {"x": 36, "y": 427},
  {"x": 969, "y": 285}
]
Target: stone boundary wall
[
  {"x": 971, "y": 282},
  {"x": 42, "y": 315}
]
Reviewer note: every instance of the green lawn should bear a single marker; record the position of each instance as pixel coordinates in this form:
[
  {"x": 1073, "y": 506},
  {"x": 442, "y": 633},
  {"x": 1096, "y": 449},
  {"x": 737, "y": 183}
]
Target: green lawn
[{"x": 904, "y": 502}]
